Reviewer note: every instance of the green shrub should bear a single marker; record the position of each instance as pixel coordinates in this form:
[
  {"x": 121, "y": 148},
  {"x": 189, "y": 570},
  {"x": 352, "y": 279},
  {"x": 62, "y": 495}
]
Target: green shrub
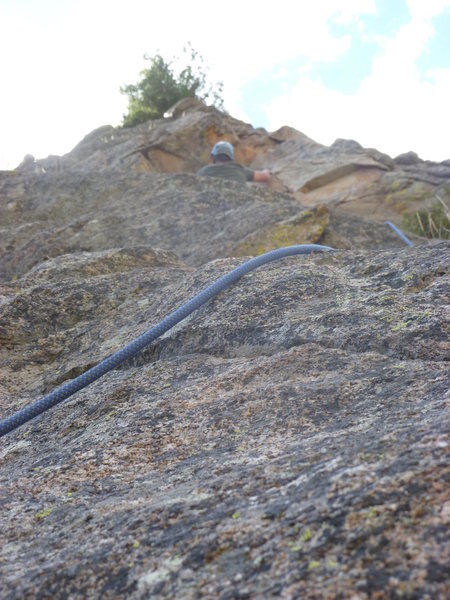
[{"x": 159, "y": 88}]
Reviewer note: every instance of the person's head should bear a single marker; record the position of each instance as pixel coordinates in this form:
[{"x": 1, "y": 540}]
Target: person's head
[{"x": 222, "y": 152}]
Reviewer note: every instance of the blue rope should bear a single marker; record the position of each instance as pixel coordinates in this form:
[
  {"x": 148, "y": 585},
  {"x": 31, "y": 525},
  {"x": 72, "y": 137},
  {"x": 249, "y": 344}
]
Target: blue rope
[
  {"x": 399, "y": 233},
  {"x": 62, "y": 393}
]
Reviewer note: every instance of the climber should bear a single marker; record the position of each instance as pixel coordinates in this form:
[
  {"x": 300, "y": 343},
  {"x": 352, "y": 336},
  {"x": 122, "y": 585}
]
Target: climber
[{"x": 223, "y": 166}]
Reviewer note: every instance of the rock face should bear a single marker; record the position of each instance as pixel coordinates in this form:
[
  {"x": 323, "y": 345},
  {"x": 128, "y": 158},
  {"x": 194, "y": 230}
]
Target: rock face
[{"x": 287, "y": 440}]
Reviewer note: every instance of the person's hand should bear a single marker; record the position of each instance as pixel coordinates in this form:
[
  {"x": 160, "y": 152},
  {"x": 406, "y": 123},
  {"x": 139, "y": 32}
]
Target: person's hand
[{"x": 262, "y": 176}]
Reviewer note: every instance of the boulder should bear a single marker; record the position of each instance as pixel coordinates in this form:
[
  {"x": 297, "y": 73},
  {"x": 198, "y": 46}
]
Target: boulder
[
  {"x": 355, "y": 180},
  {"x": 286, "y": 440}
]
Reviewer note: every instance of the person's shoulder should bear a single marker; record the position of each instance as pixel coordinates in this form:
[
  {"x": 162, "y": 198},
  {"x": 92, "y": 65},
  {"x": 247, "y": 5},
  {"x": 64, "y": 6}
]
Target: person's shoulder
[
  {"x": 204, "y": 170},
  {"x": 249, "y": 173},
  {"x": 241, "y": 167}
]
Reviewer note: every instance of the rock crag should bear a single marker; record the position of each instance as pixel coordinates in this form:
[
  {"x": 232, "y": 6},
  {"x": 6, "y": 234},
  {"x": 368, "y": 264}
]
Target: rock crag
[{"x": 287, "y": 440}]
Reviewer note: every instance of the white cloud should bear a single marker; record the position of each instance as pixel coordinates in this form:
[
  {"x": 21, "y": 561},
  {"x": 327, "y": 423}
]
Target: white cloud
[
  {"x": 425, "y": 10},
  {"x": 397, "y": 108}
]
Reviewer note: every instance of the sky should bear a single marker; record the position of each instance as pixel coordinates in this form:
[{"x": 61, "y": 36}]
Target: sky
[{"x": 376, "y": 71}]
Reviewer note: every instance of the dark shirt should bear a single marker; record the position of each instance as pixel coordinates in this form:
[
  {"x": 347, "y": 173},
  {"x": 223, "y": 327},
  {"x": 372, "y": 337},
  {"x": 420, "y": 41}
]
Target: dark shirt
[{"x": 228, "y": 170}]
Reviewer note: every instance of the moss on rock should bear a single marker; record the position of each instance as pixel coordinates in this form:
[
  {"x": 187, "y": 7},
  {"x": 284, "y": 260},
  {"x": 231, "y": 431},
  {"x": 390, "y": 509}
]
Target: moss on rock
[{"x": 305, "y": 228}]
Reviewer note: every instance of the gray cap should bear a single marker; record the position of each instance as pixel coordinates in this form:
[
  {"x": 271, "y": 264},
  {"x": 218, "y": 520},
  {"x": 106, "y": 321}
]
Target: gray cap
[{"x": 223, "y": 148}]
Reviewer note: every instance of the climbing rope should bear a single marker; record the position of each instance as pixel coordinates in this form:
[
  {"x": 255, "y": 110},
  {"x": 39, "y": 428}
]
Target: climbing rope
[
  {"x": 65, "y": 391},
  {"x": 400, "y": 234}
]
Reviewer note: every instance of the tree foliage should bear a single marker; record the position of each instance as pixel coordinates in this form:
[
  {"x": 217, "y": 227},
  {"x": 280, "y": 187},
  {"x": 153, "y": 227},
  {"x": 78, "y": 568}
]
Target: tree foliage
[{"x": 160, "y": 87}]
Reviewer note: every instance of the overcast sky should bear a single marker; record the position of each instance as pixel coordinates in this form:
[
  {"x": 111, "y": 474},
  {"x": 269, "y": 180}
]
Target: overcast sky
[{"x": 377, "y": 71}]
